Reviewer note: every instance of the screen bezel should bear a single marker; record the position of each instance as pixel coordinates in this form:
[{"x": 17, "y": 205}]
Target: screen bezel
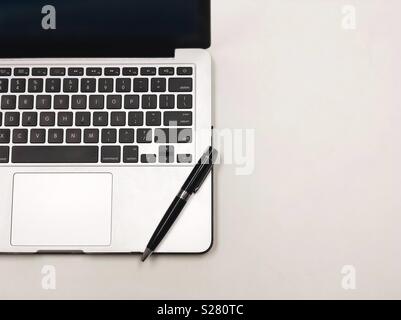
[{"x": 144, "y": 47}]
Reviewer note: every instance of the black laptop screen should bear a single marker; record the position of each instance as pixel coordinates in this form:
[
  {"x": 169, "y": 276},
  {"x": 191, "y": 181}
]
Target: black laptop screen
[{"x": 99, "y": 28}]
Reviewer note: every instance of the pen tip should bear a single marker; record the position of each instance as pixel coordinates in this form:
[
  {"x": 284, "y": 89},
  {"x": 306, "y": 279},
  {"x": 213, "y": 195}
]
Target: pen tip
[{"x": 146, "y": 254}]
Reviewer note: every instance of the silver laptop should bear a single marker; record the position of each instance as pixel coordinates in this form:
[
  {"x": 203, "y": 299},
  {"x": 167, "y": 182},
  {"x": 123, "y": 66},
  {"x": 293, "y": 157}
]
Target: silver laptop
[{"x": 105, "y": 107}]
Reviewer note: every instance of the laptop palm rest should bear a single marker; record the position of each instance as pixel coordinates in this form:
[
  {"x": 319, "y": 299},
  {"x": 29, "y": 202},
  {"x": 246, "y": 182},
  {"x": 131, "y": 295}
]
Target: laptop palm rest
[{"x": 62, "y": 209}]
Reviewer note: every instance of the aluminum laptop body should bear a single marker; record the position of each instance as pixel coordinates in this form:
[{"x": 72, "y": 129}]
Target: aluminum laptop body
[{"x": 105, "y": 107}]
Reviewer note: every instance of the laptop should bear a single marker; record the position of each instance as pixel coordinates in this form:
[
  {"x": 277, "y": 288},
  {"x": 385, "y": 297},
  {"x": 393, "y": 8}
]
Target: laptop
[{"x": 105, "y": 107}]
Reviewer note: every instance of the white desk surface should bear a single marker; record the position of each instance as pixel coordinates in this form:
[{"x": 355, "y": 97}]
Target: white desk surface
[{"x": 326, "y": 191}]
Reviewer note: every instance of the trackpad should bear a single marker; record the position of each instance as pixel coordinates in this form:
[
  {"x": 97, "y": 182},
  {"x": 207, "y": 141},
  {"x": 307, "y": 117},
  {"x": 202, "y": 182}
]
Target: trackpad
[{"x": 62, "y": 209}]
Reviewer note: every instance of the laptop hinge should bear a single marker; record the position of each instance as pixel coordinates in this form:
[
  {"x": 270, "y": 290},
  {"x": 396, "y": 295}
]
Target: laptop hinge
[
  {"x": 106, "y": 52},
  {"x": 154, "y": 53}
]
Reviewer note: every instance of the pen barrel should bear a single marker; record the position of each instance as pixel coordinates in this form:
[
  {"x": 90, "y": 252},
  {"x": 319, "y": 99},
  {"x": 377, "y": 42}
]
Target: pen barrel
[
  {"x": 200, "y": 172},
  {"x": 167, "y": 221}
]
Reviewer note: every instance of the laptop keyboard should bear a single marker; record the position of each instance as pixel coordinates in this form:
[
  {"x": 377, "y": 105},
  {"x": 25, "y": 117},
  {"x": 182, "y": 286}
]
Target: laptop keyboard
[{"x": 97, "y": 115}]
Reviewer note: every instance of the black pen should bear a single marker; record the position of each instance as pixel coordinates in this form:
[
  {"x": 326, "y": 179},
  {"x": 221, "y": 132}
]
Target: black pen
[{"x": 192, "y": 185}]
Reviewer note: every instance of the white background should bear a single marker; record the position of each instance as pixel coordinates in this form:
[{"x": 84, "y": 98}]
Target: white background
[{"x": 325, "y": 104}]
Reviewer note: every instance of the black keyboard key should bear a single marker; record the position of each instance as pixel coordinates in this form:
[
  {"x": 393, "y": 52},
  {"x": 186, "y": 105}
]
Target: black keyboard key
[
  {"x": 55, "y": 136},
  {"x": 83, "y": 119},
  {"x": 178, "y": 118},
  {"x": 148, "y": 71},
  {"x": 29, "y": 119},
  {"x": 70, "y": 85},
  {"x": 57, "y": 72},
  {"x": 131, "y": 154},
  {"x": 100, "y": 119},
  {"x": 141, "y": 85},
  {"x": 163, "y": 135},
  {"x": 167, "y": 101},
  {"x": 106, "y": 85},
  {"x": 3, "y": 85},
  {"x": 78, "y": 102},
  {"x": 11, "y": 119},
  {"x": 153, "y": 119},
  {"x": 131, "y": 102},
  {"x": 148, "y": 158},
  {"x": 55, "y": 154},
  {"x": 158, "y": 85},
  {"x": 166, "y": 71},
  {"x": 96, "y": 102},
  {"x": 118, "y": 119},
  {"x": 93, "y": 71},
  {"x": 47, "y": 119},
  {"x": 126, "y": 136},
  {"x": 135, "y": 119},
  {"x": 109, "y": 135},
  {"x": 180, "y": 85},
  {"x": 35, "y": 85},
  {"x": 184, "y": 158},
  {"x": 53, "y": 85},
  {"x": 25, "y": 102},
  {"x": 5, "y": 72},
  {"x": 8, "y": 102},
  {"x": 130, "y": 71},
  {"x": 76, "y": 72},
  {"x": 114, "y": 102},
  {"x": 21, "y": 72},
  {"x": 65, "y": 119},
  {"x": 4, "y": 136},
  {"x": 111, "y": 155},
  {"x": 144, "y": 135},
  {"x": 166, "y": 154},
  {"x": 111, "y": 71},
  {"x": 91, "y": 135},
  {"x": 20, "y": 136},
  {"x": 4, "y": 154},
  {"x": 149, "y": 101},
  {"x": 18, "y": 85},
  {"x": 184, "y": 101},
  {"x": 39, "y": 72},
  {"x": 184, "y": 135},
  {"x": 123, "y": 85},
  {"x": 43, "y": 102},
  {"x": 61, "y": 102},
  {"x": 88, "y": 85},
  {"x": 73, "y": 136},
  {"x": 38, "y": 136},
  {"x": 184, "y": 71}
]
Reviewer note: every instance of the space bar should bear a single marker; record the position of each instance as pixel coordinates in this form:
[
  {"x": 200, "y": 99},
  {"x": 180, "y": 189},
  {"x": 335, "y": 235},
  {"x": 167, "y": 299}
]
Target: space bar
[{"x": 57, "y": 154}]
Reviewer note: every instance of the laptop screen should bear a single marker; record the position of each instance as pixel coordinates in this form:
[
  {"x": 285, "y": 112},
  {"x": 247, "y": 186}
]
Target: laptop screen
[{"x": 100, "y": 28}]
